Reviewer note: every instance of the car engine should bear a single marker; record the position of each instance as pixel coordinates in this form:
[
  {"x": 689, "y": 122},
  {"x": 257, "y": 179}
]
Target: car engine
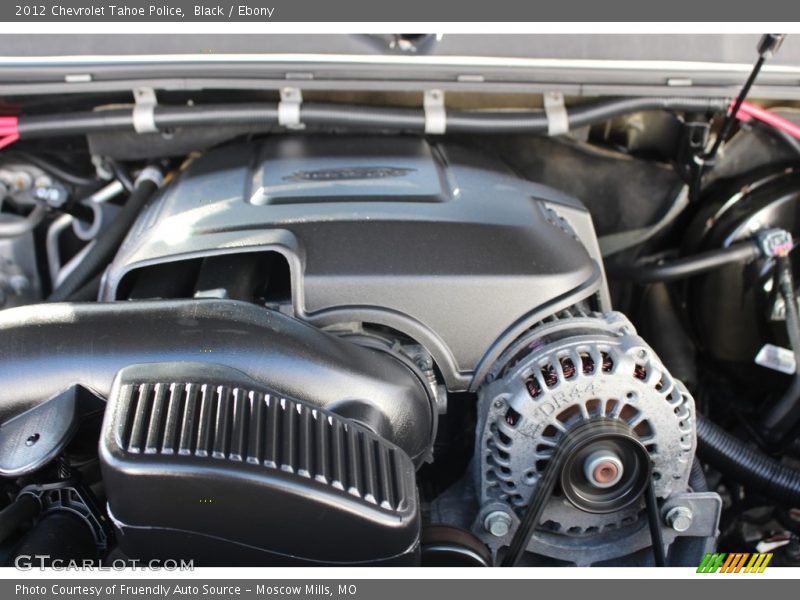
[{"x": 362, "y": 344}]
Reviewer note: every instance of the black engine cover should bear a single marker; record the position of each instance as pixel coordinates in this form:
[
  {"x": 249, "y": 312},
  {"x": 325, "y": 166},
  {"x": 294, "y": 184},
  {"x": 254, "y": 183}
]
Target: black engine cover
[
  {"x": 434, "y": 241},
  {"x": 200, "y": 462}
]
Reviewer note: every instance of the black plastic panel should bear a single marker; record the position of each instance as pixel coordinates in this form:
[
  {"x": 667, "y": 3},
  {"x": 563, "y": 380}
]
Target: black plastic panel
[
  {"x": 213, "y": 466},
  {"x": 47, "y": 348},
  {"x": 437, "y": 242}
]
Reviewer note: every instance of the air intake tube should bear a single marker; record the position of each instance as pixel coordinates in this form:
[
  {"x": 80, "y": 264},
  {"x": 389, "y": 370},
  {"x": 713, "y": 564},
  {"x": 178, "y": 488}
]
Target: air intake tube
[{"x": 47, "y": 348}]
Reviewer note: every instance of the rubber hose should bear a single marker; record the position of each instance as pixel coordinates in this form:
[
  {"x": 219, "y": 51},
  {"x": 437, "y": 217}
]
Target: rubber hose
[
  {"x": 580, "y": 116},
  {"x": 122, "y": 175},
  {"x": 215, "y": 115},
  {"x": 352, "y": 116},
  {"x": 740, "y": 252},
  {"x": 495, "y": 122},
  {"x": 107, "y": 245},
  {"x": 697, "y": 478},
  {"x": 58, "y": 536},
  {"x": 363, "y": 116},
  {"x": 89, "y": 291},
  {"x": 74, "y": 123},
  {"x": 761, "y": 473},
  {"x": 603, "y": 111},
  {"x": 22, "y": 509},
  {"x": 784, "y": 414}
]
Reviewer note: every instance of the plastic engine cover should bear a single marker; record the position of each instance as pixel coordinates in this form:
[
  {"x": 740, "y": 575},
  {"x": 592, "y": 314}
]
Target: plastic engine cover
[
  {"x": 436, "y": 241},
  {"x": 202, "y": 463}
]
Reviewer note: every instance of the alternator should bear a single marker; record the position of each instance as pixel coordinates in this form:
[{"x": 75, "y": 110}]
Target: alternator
[{"x": 572, "y": 370}]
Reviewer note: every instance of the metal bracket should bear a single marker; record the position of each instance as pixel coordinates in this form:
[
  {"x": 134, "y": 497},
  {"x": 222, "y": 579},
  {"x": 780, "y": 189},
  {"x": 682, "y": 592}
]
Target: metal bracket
[
  {"x": 705, "y": 508},
  {"x": 435, "y": 114},
  {"x": 289, "y": 108},
  {"x": 144, "y": 118},
  {"x": 556, "y": 111}
]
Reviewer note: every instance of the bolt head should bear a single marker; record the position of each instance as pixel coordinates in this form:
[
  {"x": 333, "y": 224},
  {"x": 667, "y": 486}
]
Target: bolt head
[
  {"x": 603, "y": 469},
  {"x": 679, "y": 518},
  {"x": 498, "y": 523},
  {"x": 21, "y": 181}
]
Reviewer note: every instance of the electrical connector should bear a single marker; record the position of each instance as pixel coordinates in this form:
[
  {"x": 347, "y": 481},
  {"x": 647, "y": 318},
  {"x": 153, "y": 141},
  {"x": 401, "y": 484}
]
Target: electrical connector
[{"x": 774, "y": 242}]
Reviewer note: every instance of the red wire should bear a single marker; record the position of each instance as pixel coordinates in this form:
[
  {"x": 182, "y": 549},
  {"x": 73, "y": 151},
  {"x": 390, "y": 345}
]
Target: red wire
[
  {"x": 8, "y": 140},
  {"x": 9, "y": 131},
  {"x": 750, "y": 111}
]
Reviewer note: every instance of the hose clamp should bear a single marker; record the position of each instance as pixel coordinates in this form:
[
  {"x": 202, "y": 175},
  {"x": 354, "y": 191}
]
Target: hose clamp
[
  {"x": 150, "y": 174},
  {"x": 435, "y": 114},
  {"x": 556, "y": 111},
  {"x": 289, "y": 108},
  {"x": 144, "y": 111}
]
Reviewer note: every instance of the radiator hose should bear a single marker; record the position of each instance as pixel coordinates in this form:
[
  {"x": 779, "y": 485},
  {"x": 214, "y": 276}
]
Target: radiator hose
[{"x": 761, "y": 473}]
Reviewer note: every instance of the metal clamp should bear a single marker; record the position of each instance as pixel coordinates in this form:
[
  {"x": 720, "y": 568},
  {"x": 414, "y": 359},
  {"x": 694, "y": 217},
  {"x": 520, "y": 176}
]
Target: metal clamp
[
  {"x": 144, "y": 117},
  {"x": 556, "y": 112},
  {"x": 435, "y": 114},
  {"x": 289, "y": 108},
  {"x": 150, "y": 173}
]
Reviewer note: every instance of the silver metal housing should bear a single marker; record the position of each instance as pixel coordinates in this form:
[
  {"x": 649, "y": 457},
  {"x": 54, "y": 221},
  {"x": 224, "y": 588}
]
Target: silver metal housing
[{"x": 570, "y": 369}]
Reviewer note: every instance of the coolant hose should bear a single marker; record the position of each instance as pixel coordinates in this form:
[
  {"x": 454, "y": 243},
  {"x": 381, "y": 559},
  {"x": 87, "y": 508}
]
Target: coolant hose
[
  {"x": 761, "y": 473},
  {"x": 109, "y": 242},
  {"x": 355, "y": 116}
]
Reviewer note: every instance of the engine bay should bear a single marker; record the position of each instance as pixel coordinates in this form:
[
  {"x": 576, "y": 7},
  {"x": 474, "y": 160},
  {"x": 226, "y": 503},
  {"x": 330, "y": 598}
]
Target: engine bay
[{"x": 277, "y": 332}]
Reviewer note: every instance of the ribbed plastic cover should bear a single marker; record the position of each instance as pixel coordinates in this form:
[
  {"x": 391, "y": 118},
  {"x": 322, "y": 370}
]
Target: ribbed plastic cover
[
  {"x": 219, "y": 421},
  {"x": 211, "y": 453}
]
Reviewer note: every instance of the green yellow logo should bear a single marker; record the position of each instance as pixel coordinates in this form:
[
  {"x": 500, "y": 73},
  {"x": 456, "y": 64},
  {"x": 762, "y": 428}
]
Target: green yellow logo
[{"x": 738, "y": 562}]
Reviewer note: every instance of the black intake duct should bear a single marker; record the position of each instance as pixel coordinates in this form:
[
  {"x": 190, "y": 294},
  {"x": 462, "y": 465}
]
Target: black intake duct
[
  {"x": 48, "y": 348},
  {"x": 215, "y": 468}
]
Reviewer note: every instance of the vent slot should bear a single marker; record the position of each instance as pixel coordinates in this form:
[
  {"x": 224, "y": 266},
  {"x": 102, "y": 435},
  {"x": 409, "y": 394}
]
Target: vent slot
[{"x": 228, "y": 423}]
